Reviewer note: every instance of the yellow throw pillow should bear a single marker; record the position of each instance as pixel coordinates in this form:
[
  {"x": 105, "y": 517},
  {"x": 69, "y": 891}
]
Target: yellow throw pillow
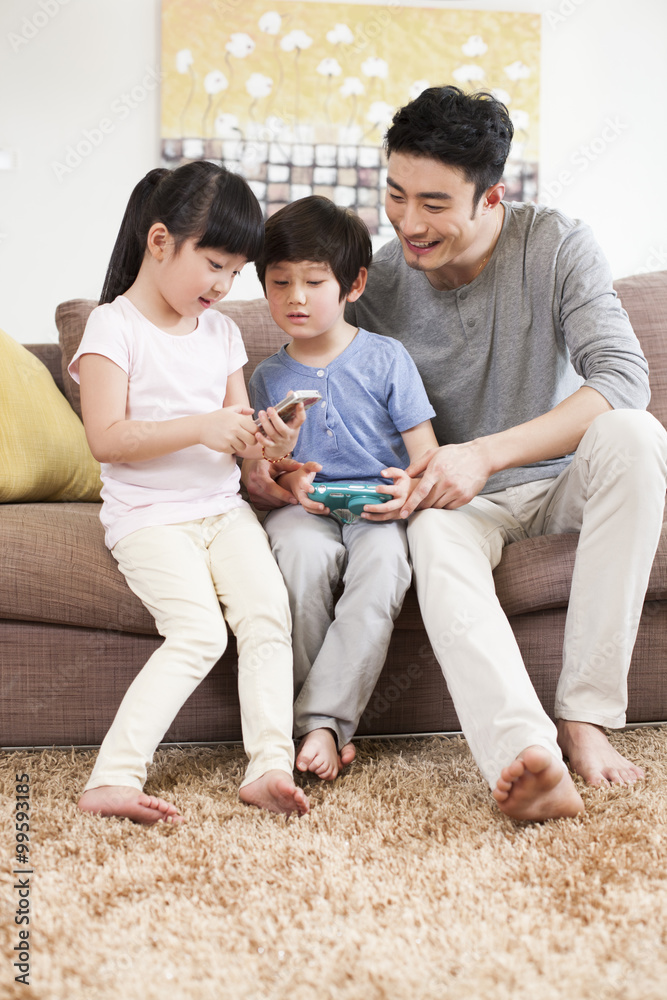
[{"x": 44, "y": 454}]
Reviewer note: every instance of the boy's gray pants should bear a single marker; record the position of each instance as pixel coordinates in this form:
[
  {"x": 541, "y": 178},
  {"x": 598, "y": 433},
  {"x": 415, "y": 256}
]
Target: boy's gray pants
[{"x": 338, "y": 653}]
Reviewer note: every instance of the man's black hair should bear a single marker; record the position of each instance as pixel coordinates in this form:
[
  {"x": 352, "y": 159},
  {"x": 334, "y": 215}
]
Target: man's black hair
[{"x": 470, "y": 131}]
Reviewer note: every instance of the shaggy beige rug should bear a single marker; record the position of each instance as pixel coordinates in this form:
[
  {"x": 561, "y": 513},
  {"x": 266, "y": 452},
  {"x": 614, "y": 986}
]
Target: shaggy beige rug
[{"x": 403, "y": 883}]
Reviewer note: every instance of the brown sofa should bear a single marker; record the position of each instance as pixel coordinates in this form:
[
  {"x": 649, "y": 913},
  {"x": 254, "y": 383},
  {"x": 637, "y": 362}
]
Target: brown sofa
[{"x": 72, "y": 635}]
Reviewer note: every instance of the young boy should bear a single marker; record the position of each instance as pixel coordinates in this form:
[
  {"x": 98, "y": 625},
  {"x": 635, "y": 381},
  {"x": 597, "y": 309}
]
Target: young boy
[{"x": 374, "y": 418}]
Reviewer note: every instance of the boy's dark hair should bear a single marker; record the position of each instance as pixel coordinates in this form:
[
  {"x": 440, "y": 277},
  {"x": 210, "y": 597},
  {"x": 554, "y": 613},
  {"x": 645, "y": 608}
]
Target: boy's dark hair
[
  {"x": 315, "y": 229},
  {"x": 470, "y": 131},
  {"x": 198, "y": 201}
]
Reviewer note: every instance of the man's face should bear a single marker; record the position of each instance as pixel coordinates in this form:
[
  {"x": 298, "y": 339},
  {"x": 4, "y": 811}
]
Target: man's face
[{"x": 430, "y": 205}]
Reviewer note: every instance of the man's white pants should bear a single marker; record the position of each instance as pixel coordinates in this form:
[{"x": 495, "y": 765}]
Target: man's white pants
[{"x": 613, "y": 494}]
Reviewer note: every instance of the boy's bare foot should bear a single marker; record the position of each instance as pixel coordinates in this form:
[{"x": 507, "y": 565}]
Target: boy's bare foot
[
  {"x": 536, "y": 786},
  {"x": 275, "y": 791},
  {"x": 318, "y": 753},
  {"x": 128, "y": 802},
  {"x": 347, "y": 754},
  {"x": 593, "y": 757}
]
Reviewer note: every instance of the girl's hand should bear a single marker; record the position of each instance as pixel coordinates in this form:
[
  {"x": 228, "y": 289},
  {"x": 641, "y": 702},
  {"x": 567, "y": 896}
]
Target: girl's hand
[
  {"x": 230, "y": 429},
  {"x": 400, "y": 491},
  {"x": 277, "y": 437},
  {"x": 300, "y": 483}
]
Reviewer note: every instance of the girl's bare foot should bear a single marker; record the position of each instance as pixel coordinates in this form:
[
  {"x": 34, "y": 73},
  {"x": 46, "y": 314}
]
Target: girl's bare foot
[
  {"x": 128, "y": 802},
  {"x": 275, "y": 791},
  {"x": 593, "y": 757},
  {"x": 318, "y": 753},
  {"x": 536, "y": 786}
]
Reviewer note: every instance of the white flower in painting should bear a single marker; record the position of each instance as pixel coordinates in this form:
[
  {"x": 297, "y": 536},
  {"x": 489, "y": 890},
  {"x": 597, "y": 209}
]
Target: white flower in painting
[
  {"x": 418, "y": 87},
  {"x": 502, "y": 95},
  {"x": 340, "y": 33},
  {"x": 518, "y": 70},
  {"x": 352, "y": 87},
  {"x": 475, "y": 46},
  {"x": 465, "y": 74},
  {"x": 215, "y": 81},
  {"x": 226, "y": 126},
  {"x": 259, "y": 85},
  {"x": 380, "y": 113},
  {"x": 240, "y": 45},
  {"x": 184, "y": 60},
  {"x": 375, "y": 67},
  {"x": 270, "y": 22},
  {"x": 521, "y": 119},
  {"x": 296, "y": 39},
  {"x": 329, "y": 67}
]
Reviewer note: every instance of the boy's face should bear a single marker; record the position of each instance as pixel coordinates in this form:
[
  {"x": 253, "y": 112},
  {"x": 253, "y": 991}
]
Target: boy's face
[{"x": 304, "y": 298}]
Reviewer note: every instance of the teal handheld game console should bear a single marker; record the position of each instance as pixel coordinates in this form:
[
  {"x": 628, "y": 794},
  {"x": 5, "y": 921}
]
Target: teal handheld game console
[{"x": 350, "y": 497}]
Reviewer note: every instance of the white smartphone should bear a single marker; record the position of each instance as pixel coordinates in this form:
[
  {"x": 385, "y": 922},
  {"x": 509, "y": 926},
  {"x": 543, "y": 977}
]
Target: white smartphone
[{"x": 286, "y": 407}]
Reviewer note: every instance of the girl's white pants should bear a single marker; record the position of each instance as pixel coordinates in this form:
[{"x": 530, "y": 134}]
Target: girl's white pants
[{"x": 189, "y": 576}]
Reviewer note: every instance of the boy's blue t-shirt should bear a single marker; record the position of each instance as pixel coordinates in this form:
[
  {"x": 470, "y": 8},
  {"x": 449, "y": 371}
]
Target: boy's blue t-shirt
[{"x": 370, "y": 394}]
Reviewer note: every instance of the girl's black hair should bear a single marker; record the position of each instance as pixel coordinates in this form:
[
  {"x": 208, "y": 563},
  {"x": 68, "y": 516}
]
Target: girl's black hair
[
  {"x": 315, "y": 229},
  {"x": 470, "y": 131},
  {"x": 199, "y": 201}
]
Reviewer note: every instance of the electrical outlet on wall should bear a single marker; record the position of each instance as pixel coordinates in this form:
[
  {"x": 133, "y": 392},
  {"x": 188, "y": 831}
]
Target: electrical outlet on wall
[{"x": 7, "y": 159}]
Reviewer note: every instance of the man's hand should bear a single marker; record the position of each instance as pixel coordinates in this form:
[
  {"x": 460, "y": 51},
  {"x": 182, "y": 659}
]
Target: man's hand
[
  {"x": 450, "y": 476},
  {"x": 259, "y": 479}
]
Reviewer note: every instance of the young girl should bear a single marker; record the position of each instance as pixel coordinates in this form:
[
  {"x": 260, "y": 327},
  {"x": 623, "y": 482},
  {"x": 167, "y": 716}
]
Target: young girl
[{"x": 165, "y": 410}]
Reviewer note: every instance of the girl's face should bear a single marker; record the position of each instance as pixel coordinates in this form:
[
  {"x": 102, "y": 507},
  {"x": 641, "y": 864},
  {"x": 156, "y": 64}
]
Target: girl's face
[{"x": 192, "y": 279}]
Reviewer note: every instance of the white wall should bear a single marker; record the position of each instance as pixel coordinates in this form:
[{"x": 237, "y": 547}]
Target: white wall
[{"x": 91, "y": 66}]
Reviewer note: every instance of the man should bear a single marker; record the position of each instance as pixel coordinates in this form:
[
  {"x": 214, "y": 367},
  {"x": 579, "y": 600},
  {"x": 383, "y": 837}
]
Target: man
[{"x": 527, "y": 356}]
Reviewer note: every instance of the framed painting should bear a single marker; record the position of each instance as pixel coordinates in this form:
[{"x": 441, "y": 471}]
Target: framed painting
[{"x": 296, "y": 95}]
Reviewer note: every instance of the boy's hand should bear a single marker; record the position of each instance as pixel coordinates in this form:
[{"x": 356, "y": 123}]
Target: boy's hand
[
  {"x": 230, "y": 429},
  {"x": 277, "y": 437},
  {"x": 400, "y": 491},
  {"x": 300, "y": 484}
]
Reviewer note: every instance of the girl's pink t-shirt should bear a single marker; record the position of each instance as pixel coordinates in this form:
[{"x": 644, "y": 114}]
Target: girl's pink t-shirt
[{"x": 168, "y": 376}]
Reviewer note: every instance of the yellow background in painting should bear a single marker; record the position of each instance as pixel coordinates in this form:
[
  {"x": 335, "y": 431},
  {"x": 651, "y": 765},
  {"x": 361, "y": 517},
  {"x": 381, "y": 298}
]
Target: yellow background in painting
[{"x": 416, "y": 43}]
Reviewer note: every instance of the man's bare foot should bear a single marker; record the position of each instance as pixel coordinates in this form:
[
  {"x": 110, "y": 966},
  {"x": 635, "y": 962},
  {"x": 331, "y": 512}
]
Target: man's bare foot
[
  {"x": 593, "y": 757},
  {"x": 347, "y": 754},
  {"x": 318, "y": 753},
  {"x": 275, "y": 791},
  {"x": 536, "y": 786},
  {"x": 128, "y": 802}
]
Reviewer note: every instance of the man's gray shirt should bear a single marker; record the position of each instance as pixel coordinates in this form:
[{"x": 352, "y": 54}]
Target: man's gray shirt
[{"x": 541, "y": 320}]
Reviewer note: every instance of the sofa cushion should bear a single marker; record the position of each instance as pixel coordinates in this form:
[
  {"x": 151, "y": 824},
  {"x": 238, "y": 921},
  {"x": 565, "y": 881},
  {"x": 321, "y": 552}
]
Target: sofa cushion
[
  {"x": 71, "y": 319},
  {"x": 535, "y": 574},
  {"x": 644, "y": 297},
  {"x": 78, "y": 582},
  {"x": 261, "y": 335},
  {"x": 44, "y": 454}
]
